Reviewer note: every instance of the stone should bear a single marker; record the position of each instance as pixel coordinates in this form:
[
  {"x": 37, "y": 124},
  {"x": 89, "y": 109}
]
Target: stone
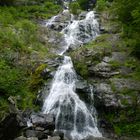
[
  {"x": 82, "y": 15},
  {"x": 35, "y": 133},
  {"x": 54, "y": 138},
  {"x": 104, "y": 95},
  {"x": 83, "y": 89},
  {"x": 32, "y": 138},
  {"x": 119, "y": 56},
  {"x": 39, "y": 129},
  {"x": 21, "y": 138},
  {"x": 59, "y": 133},
  {"x": 43, "y": 120},
  {"x": 122, "y": 83},
  {"x": 93, "y": 138},
  {"x": 102, "y": 67},
  {"x": 106, "y": 59},
  {"x": 103, "y": 70}
]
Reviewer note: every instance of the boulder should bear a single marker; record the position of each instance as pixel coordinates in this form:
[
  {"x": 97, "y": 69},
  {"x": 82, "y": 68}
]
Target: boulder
[
  {"x": 83, "y": 89},
  {"x": 105, "y": 96},
  {"x": 43, "y": 120},
  {"x": 93, "y": 138},
  {"x": 123, "y": 83},
  {"x": 21, "y": 138},
  {"x": 35, "y": 133},
  {"x": 54, "y": 138},
  {"x": 103, "y": 70},
  {"x": 82, "y": 15},
  {"x": 32, "y": 138},
  {"x": 59, "y": 133}
]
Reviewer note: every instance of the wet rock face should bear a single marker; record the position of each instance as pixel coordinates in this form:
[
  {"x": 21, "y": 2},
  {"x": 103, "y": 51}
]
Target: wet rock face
[
  {"x": 43, "y": 120},
  {"x": 109, "y": 70},
  {"x": 83, "y": 89},
  {"x": 60, "y": 21},
  {"x": 40, "y": 127},
  {"x": 109, "y": 91}
]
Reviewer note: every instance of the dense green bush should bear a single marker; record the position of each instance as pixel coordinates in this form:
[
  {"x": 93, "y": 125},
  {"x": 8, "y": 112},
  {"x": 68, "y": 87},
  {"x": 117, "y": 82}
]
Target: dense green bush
[
  {"x": 101, "y": 4},
  {"x": 20, "y": 50},
  {"x": 128, "y": 12},
  {"x": 75, "y": 8}
]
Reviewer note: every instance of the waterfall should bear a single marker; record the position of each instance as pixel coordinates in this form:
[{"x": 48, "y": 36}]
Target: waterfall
[{"x": 71, "y": 114}]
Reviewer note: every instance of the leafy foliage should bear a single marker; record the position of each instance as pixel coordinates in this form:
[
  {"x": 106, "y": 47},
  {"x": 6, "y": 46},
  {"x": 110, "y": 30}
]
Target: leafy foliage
[
  {"x": 74, "y": 8},
  {"x": 128, "y": 12},
  {"x": 20, "y": 50}
]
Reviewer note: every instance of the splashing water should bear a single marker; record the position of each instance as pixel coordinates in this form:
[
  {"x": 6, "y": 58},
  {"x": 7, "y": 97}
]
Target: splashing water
[
  {"x": 80, "y": 31},
  {"x": 71, "y": 114}
]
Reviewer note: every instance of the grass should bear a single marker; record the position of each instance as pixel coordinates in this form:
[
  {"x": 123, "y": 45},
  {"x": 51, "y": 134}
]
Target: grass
[{"x": 21, "y": 53}]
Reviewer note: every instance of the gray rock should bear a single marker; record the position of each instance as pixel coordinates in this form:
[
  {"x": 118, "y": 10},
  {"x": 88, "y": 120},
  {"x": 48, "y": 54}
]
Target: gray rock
[
  {"x": 34, "y": 133},
  {"x": 93, "y": 138},
  {"x": 54, "y": 138},
  {"x": 60, "y": 21},
  {"x": 106, "y": 96},
  {"x": 45, "y": 121},
  {"x": 82, "y": 15},
  {"x": 39, "y": 129},
  {"x": 59, "y": 133},
  {"x": 103, "y": 69},
  {"x": 122, "y": 83},
  {"x": 106, "y": 59},
  {"x": 119, "y": 56},
  {"x": 21, "y": 138},
  {"x": 83, "y": 89},
  {"x": 41, "y": 118},
  {"x": 32, "y": 138}
]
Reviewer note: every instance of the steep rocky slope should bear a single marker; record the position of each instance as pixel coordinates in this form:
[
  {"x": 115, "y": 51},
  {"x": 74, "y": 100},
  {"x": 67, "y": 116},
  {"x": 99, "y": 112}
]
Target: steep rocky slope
[{"x": 106, "y": 63}]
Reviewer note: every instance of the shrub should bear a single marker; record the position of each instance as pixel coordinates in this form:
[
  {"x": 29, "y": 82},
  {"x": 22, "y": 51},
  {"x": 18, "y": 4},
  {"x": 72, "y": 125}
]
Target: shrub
[{"x": 74, "y": 8}]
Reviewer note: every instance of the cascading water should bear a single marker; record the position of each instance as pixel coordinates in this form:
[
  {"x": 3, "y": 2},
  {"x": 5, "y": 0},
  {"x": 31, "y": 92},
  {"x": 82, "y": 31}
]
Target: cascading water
[
  {"x": 79, "y": 32},
  {"x": 71, "y": 114}
]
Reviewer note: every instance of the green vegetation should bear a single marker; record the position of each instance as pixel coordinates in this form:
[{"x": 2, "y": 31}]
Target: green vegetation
[
  {"x": 21, "y": 52},
  {"x": 121, "y": 19},
  {"x": 75, "y": 8},
  {"x": 125, "y": 122},
  {"x": 101, "y": 5},
  {"x": 127, "y": 12}
]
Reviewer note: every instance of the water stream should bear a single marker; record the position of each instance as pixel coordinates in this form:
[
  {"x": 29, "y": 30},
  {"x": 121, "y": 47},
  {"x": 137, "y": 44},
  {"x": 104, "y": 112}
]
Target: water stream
[{"x": 71, "y": 114}]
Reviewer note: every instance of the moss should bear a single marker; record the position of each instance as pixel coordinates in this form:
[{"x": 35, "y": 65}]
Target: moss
[
  {"x": 115, "y": 64},
  {"x": 113, "y": 87},
  {"x": 36, "y": 80},
  {"x": 117, "y": 130},
  {"x": 125, "y": 122},
  {"x": 4, "y": 108},
  {"x": 75, "y": 8},
  {"x": 81, "y": 69},
  {"x": 133, "y": 64}
]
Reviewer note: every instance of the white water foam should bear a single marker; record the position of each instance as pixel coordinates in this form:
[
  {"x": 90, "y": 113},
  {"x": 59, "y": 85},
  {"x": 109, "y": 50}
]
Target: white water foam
[{"x": 71, "y": 114}]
